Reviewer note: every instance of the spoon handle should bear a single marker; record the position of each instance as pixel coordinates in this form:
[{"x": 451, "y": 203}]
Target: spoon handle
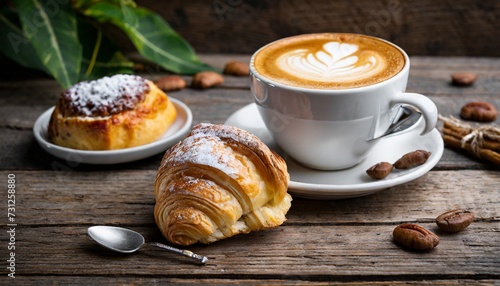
[{"x": 202, "y": 259}]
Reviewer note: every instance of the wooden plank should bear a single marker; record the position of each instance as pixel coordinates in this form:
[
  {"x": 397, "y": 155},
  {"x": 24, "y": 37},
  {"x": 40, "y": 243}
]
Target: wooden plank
[
  {"x": 126, "y": 197},
  {"x": 124, "y": 280},
  {"x": 19, "y": 150},
  {"x": 431, "y": 75},
  {"x": 321, "y": 242},
  {"x": 424, "y": 77},
  {"x": 215, "y": 105},
  {"x": 453, "y": 62},
  {"x": 423, "y": 69},
  {"x": 437, "y": 65},
  {"x": 20, "y": 106},
  {"x": 307, "y": 252},
  {"x": 21, "y": 103},
  {"x": 244, "y": 26}
]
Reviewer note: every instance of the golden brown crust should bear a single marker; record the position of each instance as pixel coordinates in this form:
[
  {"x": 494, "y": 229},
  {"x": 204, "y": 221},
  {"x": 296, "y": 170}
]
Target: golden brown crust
[
  {"x": 218, "y": 182},
  {"x": 143, "y": 124}
]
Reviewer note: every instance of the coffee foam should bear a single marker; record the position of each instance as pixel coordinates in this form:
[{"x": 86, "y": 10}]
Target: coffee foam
[{"x": 329, "y": 61}]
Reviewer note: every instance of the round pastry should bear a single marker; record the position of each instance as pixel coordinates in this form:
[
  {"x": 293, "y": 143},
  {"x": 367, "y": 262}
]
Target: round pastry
[{"x": 115, "y": 112}]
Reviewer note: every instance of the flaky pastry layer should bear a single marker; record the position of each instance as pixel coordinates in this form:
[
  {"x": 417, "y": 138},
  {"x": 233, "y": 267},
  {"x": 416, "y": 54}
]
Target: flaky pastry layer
[{"x": 218, "y": 182}]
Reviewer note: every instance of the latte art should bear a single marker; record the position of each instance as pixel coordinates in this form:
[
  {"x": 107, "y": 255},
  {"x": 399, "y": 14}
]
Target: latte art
[
  {"x": 329, "y": 61},
  {"x": 334, "y": 62}
]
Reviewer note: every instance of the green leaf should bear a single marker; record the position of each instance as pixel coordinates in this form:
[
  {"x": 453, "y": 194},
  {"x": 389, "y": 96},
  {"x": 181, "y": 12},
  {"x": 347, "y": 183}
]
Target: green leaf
[
  {"x": 101, "y": 56},
  {"x": 117, "y": 64},
  {"x": 154, "y": 39},
  {"x": 52, "y": 30},
  {"x": 15, "y": 45},
  {"x": 84, "y": 4}
]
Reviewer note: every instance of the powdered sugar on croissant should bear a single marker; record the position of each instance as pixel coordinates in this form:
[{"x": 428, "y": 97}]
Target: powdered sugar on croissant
[{"x": 218, "y": 182}]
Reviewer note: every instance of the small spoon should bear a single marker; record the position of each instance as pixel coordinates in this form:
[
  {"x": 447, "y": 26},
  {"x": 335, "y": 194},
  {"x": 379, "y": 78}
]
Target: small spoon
[
  {"x": 405, "y": 118},
  {"x": 127, "y": 241}
]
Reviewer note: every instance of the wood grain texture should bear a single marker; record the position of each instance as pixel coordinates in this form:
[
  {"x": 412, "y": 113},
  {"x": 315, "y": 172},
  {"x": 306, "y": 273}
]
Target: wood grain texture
[
  {"x": 428, "y": 28},
  {"x": 336, "y": 242},
  {"x": 21, "y": 103},
  {"x": 20, "y": 151},
  {"x": 308, "y": 252},
  {"x": 319, "y": 281},
  {"x": 451, "y": 28},
  {"x": 126, "y": 196}
]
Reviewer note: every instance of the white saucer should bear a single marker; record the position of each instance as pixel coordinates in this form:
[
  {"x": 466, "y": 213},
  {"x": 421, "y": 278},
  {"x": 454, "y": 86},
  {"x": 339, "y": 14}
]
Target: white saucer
[
  {"x": 353, "y": 182},
  {"x": 179, "y": 129}
]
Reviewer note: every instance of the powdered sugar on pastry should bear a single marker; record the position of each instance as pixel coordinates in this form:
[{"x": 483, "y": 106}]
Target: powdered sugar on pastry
[
  {"x": 105, "y": 96},
  {"x": 227, "y": 132},
  {"x": 204, "y": 150},
  {"x": 206, "y": 146}
]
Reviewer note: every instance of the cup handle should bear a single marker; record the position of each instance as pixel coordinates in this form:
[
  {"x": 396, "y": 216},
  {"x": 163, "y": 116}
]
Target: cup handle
[{"x": 424, "y": 104}]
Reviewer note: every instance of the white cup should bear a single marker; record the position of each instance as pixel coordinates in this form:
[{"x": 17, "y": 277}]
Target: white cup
[{"x": 331, "y": 129}]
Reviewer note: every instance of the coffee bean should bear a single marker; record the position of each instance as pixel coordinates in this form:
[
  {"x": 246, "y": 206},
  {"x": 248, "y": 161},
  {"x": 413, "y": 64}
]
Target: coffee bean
[
  {"x": 236, "y": 68},
  {"x": 481, "y": 111},
  {"x": 455, "y": 220},
  {"x": 463, "y": 78},
  {"x": 415, "y": 237},
  {"x": 171, "y": 83},
  {"x": 412, "y": 159},
  {"x": 207, "y": 79},
  {"x": 380, "y": 170}
]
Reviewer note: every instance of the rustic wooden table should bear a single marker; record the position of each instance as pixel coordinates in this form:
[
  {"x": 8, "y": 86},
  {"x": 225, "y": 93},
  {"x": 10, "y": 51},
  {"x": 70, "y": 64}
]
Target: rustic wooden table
[{"x": 322, "y": 242}]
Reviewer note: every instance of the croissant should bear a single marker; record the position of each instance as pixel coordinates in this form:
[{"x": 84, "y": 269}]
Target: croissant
[
  {"x": 218, "y": 182},
  {"x": 111, "y": 113}
]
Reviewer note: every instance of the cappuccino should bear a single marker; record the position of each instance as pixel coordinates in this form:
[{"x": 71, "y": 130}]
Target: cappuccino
[{"x": 329, "y": 61}]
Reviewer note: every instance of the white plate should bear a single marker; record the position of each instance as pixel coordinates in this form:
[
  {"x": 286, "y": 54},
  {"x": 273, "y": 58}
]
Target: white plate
[
  {"x": 353, "y": 182},
  {"x": 179, "y": 129}
]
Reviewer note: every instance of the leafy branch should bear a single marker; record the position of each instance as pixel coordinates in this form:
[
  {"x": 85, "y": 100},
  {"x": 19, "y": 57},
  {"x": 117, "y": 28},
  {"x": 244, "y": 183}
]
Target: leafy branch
[{"x": 67, "y": 40}]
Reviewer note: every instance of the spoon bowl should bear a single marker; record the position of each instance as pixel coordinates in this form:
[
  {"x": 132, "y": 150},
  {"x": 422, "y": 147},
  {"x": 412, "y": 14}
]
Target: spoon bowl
[
  {"x": 128, "y": 241},
  {"x": 116, "y": 238}
]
